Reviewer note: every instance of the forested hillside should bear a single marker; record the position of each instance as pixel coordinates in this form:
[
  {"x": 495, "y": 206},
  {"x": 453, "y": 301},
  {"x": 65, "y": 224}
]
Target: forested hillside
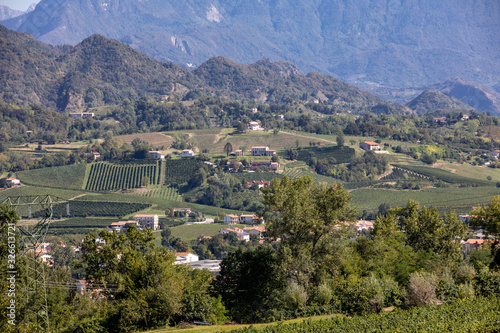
[{"x": 101, "y": 71}]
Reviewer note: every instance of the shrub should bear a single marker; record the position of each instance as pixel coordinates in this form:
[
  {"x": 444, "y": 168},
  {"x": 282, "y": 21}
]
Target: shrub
[
  {"x": 295, "y": 296},
  {"x": 422, "y": 288},
  {"x": 487, "y": 283}
]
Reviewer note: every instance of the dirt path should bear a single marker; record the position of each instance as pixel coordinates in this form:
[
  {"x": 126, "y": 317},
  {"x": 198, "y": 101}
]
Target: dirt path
[{"x": 79, "y": 195}]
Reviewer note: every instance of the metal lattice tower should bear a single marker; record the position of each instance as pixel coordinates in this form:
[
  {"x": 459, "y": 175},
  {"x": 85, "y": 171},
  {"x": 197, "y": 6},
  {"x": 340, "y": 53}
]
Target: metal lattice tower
[{"x": 30, "y": 241}]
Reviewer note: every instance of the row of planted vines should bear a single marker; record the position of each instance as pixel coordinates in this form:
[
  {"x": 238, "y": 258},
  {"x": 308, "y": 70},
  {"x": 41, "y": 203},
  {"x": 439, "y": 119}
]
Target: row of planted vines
[{"x": 107, "y": 177}]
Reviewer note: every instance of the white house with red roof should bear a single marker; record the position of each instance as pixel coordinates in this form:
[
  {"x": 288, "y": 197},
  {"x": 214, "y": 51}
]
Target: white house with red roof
[{"x": 369, "y": 145}]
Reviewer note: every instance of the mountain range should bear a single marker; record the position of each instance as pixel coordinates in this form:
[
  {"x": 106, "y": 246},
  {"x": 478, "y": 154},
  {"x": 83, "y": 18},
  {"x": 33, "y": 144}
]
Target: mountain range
[{"x": 385, "y": 42}]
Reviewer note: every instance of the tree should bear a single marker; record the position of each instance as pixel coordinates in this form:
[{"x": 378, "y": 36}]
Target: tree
[
  {"x": 340, "y": 139},
  {"x": 228, "y": 148},
  {"x": 310, "y": 220},
  {"x": 425, "y": 230},
  {"x": 248, "y": 282},
  {"x": 488, "y": 218},
  {"x": 292, "y": 154},
  {"x": 242, "y": 127}
]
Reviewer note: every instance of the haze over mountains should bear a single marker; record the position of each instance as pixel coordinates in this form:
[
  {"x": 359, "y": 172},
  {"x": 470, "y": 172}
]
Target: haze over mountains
[{"x": 387, "y": 42}]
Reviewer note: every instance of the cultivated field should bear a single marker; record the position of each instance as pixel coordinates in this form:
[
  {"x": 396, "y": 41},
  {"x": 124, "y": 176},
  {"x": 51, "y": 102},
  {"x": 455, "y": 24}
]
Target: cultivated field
[
  {"x": 66, "y": 177},
  {"x": 459, "y": 199},
  {"x": 155, "y": 139}
]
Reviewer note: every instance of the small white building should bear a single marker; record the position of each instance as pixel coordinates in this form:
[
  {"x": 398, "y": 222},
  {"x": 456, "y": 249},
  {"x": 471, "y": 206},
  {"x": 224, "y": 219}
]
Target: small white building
[
  {"x": 96, "y": 155},
  {"x": 13, "y": 182},
  {"x": 187, "y": 153},
  {"x": 157, "y": 155},
  {"x": 254, "y": 126},
  {"x": 76, "y": 115},
  {"x": 185, "y": 257},
  {"x": 369, "y": 145},
  {"x": 148, "y": 221},
  {"x": 495, "y": 153}
]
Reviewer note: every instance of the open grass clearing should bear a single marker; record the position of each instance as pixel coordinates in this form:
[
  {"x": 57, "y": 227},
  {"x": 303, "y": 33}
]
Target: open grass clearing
[{"x": 471, "y": 171}]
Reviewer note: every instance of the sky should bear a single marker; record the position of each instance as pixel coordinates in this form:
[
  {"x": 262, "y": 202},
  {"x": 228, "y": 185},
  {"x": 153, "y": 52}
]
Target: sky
[{"x": 18, "y": 4}]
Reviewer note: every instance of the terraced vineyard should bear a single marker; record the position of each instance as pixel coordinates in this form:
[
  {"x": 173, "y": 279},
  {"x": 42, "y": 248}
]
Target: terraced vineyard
[
  {"x": 108, "y": 177},
  {"x": 164, "y": 192},
  {"x": 78, "y": 225},
  {"x": 180, "y": 171},
  {"x": 66, "y": 177},
  {"x": 87, "y": 208}
]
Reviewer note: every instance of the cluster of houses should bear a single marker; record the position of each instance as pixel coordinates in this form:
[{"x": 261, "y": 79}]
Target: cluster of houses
[
  {"x": 242, "y": 219},
  {"x": 140, "y": 221},
  {"x": 244, "y": 234}
]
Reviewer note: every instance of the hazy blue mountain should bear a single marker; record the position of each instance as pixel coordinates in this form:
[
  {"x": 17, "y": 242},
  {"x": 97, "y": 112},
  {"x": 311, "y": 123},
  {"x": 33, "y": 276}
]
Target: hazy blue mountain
[
  {"x": 432, "y": 100},
  {"x": 470, "y": 93},
  {"x": 8, "y": 13},
  {"x": 390, "y": 42}
]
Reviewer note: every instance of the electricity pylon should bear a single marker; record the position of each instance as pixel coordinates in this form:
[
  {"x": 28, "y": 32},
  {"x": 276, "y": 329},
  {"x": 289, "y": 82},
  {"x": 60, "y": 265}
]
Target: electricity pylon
[{"x": 37, "y": 314}]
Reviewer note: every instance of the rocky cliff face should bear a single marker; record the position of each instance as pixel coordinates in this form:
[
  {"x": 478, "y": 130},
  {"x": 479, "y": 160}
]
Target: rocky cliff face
[{"x": 389, "y": 42}]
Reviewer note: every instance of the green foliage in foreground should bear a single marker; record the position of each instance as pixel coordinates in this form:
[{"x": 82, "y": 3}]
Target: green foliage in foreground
[
  {"x": 475, "y": 315},
  {"x": 68, "y": 176}
]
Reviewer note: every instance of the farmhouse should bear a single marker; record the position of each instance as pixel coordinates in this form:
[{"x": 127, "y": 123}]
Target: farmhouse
[
  {"x": 369, "y": 145},
  {"x": 271, "y": 166},
  {"x": 495, "y": 153},
  {"x": 183, "y": 210},
  {"x": 96, "y": 155},
  {"x": 157, "y": 155},
  {"x": 231, "y": 219},
  {"x": 13, "y": 182},
  {"x": 262, "y": 151},
  {"x": 254, "y": 126},
  {"x": 248, "y": 218},
  {"x": 148, "y": 221},
  {"x": 187, "y": 153},
  {"x": 123, "y": 225},
  {"x": 440, "y": 120},
  {"x": 255, "y": 231}
]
